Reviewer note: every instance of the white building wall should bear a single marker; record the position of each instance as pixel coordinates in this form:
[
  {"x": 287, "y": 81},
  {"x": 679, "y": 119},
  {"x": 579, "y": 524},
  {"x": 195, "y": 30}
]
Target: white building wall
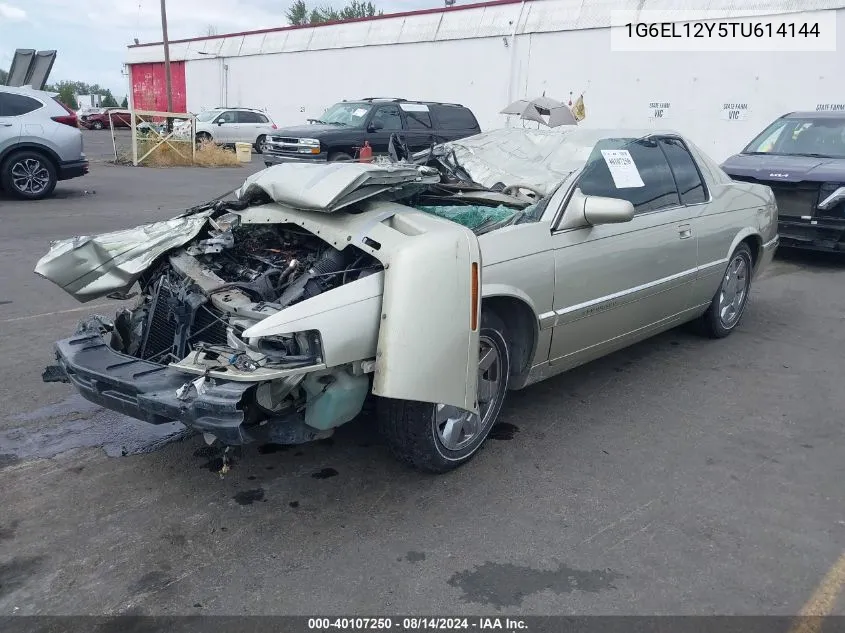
[{"x": 473, "y": 57}]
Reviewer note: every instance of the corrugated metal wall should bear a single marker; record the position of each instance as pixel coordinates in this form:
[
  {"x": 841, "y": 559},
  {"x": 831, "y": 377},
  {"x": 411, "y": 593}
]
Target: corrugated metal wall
[{"x": 473, "y": 57}]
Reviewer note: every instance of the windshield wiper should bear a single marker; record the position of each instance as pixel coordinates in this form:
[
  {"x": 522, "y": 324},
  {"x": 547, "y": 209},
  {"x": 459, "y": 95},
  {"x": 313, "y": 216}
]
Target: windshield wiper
[
  {"x": 316, "y": 121},
  {"x": 812, "y": 155}
]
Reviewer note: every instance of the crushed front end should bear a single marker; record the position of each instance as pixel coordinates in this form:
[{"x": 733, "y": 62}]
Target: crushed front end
[{"x": 183, "y": 351}]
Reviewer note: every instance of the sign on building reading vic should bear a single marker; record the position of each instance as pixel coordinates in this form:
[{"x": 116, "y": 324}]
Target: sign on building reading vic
[
  {"x": 734, "y": 111},
  {"x": 659, "y": 109}
]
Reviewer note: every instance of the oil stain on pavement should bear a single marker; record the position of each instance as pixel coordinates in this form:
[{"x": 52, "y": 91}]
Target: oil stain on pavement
[
  {"x": 507, "y": 585},
  {"x": 248, "y": 497},
  {"x": 76, "y": 423}
]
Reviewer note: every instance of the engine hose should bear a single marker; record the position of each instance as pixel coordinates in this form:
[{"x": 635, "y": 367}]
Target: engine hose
[{"x": 306, "y": 286}]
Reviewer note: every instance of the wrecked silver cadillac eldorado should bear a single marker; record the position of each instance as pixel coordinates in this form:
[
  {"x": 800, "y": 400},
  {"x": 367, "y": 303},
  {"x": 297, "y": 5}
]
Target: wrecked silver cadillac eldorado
[{"x": 431, "y": 284}]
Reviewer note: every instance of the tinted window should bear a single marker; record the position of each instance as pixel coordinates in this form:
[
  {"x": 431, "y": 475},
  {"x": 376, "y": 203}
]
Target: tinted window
[
  {"x": 244, "y": 116},
  {"x": 389, "y": 117},
  {"x": 685, "y": 171},
  {"x": 417, "y": 116},
  {"x": 658, "y": 190},
  {"x": 454, "y": 118},
  {"x": 16, "y": 105}
]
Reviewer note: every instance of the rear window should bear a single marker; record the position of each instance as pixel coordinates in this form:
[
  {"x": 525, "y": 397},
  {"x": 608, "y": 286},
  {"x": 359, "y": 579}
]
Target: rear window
[
  {"x": 454, "y": 118},
  {"x": 16, "y": 105}
]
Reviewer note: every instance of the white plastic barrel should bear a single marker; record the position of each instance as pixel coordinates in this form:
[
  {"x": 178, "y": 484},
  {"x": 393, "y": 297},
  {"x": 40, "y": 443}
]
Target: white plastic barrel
[{"x": 243, "y": 152}]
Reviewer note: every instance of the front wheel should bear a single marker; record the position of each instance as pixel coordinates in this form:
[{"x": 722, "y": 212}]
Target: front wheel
[
  {"x": 437, "y": 438},
  {"x": 728, "y": 305},
  {"x": 28, "y": 175},
  {"x": 340, "y": 157},
  {"x": 97, "y": 125}
]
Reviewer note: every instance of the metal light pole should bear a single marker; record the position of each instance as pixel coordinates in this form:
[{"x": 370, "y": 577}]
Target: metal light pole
[{"x": 166, "y": 63}]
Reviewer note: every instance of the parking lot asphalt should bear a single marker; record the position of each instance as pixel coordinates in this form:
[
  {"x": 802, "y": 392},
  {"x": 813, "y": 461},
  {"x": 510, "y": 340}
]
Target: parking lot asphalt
[{"x": 680, "y": 476}]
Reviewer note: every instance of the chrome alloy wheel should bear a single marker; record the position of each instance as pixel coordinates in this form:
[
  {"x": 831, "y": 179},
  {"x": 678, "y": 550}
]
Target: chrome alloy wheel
[
  {"x": 734, "y": 291},
  {"x": 30, "y": 176},
  {"x": 456, "y": 428}
]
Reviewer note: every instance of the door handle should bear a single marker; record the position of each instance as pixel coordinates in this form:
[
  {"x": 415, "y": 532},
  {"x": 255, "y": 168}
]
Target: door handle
[
  {"x": 684, "y": 231},
  {"x": 5, "y": 125}
]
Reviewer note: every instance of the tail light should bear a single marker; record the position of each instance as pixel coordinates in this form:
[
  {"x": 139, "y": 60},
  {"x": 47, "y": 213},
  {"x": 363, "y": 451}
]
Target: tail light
[
  {"x": 274, "y": 127},
  {"x": 68, "y": 119}
]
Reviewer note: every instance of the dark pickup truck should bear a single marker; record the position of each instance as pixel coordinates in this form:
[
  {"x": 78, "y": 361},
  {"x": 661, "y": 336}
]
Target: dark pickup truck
[
  {"x": 801, "y": 156},
  {"x": 342, "y": 130}
]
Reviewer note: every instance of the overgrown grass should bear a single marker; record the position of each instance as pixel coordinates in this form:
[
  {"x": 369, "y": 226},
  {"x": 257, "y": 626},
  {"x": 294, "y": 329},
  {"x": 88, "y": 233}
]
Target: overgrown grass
[{"x": 178, "y": 154}]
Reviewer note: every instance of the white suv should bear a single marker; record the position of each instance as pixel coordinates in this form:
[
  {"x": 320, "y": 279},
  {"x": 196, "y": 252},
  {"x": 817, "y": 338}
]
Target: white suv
[
  {"x": 235, "y": 125},
  {"x": 40, "y": 143}
]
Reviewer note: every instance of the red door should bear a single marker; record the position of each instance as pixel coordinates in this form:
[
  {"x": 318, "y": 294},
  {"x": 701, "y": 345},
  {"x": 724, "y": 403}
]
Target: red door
[{"x": 149, "y": 87}]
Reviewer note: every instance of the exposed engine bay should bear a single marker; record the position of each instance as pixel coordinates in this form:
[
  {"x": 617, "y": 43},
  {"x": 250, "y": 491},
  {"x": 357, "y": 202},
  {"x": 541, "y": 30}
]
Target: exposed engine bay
[{"x": 271, "y": 266}]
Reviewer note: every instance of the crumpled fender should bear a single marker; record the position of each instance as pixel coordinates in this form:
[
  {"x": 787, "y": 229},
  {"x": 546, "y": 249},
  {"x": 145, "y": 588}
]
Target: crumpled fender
[{"x": 427, "y": 349}]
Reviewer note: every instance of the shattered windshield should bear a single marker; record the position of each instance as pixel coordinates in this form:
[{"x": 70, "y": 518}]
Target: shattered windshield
[
  {"x": 348, "y": 114},
  {"x": 806, "y": 136}
]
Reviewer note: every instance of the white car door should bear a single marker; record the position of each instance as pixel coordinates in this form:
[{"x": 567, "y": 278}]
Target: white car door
[
  {"x": 10, "y": 126},
  {"x": 226, "y": 127}
]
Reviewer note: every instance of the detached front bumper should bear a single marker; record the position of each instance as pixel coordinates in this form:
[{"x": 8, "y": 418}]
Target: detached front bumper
[
  {"x": 147, "y": 391},
  {"x": 818, "y": 234}
]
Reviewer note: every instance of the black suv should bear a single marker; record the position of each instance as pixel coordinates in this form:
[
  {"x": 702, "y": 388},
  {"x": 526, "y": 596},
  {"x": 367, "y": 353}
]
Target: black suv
[{"x": 340, "y": 133}]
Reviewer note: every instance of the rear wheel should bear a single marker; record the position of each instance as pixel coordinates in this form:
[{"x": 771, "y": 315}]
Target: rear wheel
[
  {"x": 340, "y": 157},
  {"x": 438, "y": 438},
  {"x": 261, "y": 144},
  {"x": 97, "y": 125},
  {"x": 728, "y": 305},
  {"x": 28, "y": 175}
]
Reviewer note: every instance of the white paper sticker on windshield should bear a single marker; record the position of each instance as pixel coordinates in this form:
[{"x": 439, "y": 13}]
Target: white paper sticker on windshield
[
  {"x": 622, "y": 168},
  {"x": 360, "y": 112},
  {"x": 414, "y": 107}
]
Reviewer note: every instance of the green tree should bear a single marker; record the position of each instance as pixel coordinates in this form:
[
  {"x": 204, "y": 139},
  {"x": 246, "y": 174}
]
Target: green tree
[
  {"x": 125, "y": 103},
  {"x": 67, "y": 94},
  {"x": 4, "y": 76},
  {"x": 298, "y": 13},
  {"x": 108, "y": 100}
]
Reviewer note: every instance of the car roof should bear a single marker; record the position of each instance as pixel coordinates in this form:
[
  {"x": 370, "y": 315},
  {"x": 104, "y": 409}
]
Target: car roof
[
  {"x": 28, "y": 90},
  {"x": 400, "y": 100},
  {"x": 824, "y": 114}
]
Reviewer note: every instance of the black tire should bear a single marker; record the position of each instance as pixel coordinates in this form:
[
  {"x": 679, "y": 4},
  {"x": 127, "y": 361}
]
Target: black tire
[
  {"x": 259, "y": 144},
  {"x": 97, "y": 125},
  {"x": 338, "y": 157},
  {"x": 409, "y": 427},
  {"x": 203, "y": 137},
  {"x": 28, "y": 162},
  {"x": 714, "y": 322}
]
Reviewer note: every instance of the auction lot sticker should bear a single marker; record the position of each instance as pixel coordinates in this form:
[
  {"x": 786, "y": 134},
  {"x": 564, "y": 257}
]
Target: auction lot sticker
[
  {"x": 622, "y": 168},
  {"x": 734, "y": 111}
]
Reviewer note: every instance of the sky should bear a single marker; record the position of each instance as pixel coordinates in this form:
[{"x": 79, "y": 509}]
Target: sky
[{"x": 91, "y": 35}]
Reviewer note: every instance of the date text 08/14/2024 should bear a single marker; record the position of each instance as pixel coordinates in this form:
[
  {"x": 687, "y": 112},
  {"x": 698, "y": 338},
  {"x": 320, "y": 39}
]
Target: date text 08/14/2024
[
  {"x": 416, "y": 624},
  {"x": 722, "y": 30}
]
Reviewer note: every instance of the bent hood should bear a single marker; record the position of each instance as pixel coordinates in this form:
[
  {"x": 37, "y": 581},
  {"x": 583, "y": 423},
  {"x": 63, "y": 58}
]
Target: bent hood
[
  {"x": 329, "y": 187},
  {"x": 785, "y": 168}
]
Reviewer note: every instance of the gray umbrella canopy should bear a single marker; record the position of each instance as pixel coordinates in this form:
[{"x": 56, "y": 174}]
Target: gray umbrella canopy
[
  {"x": 545, "y": 110},
  {"x": 561, "y": 116}
]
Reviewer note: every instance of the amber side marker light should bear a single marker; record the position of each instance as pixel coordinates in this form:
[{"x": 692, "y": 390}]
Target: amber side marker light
[{"x": 474, "y": 291}]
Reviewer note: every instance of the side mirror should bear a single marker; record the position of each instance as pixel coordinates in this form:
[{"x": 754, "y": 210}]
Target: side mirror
[
  {"x": 220, "y": 121},
  {"x": 600, "y": 210},
  {"x": 375, "y": 126}
]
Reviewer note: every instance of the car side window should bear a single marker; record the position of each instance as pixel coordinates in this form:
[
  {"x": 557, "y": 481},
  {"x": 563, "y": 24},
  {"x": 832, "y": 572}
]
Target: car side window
[
  {"x": 418, "y": 119},
  {"x": 687, "y": 176},
  {"x": 17, "y": 105},
  {"x": 454, "y": 118},
  {"x": 261, "y": 118},
  {"x": 389, "y": 117},
  {"x": 658, "y": 190},
  {"x": 226, "y": 117}
]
